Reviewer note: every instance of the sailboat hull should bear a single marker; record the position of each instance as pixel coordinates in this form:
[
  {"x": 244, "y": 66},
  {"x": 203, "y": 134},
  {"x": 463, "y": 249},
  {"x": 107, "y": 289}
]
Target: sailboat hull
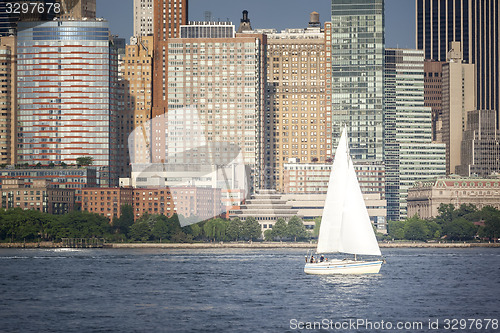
[{"x": 343, "y": 267}]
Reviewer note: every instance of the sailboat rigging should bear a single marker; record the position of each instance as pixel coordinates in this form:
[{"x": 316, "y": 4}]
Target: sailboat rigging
[{"x": 345, "y": 224}]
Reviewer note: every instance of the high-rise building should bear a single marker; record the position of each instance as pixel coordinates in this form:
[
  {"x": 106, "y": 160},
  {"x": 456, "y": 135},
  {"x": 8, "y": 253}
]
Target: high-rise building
[
  {"x": 480, "y": 145},
  {"x": 8, "y": 21},
  {"x": 474, "y": 23},
  {"x": 137, "y": 73},
  {"x": 42, "y": 10},
  {"x": 297, "y": 121},
  {"x": 10, "y": 15},
  {"x": 78, "y": 9},
  {"x": 357, "y": 75},
  {"x": 8, "y": 100},
  {"x": 458, "y": 97},
  {"x": 433, "y": 90},
  {"x": 143, "y": 17},
  {"x": 215, "y": 88},
  {"x": 67, "y": 94},
  {"x": 168, "y": 16},
  {"x": 410, "y": 154}
]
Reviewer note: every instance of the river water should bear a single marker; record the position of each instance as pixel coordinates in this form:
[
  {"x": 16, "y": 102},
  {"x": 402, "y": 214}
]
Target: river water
[{"x": 244, "y": 290}]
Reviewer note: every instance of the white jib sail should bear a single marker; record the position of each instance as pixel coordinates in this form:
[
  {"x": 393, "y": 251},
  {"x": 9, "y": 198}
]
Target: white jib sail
[{"x": 345, "y": 225}]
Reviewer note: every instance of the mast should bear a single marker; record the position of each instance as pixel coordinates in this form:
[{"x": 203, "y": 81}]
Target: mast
[{"x": 345, "y": 225}]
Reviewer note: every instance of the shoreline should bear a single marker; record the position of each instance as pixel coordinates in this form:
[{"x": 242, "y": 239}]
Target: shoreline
[{"x": 246, "y": 245}]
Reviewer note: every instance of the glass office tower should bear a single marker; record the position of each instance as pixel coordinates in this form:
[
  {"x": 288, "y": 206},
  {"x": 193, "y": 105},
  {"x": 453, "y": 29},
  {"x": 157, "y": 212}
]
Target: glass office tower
[
  {"x": 357, "y": 75},
  {"x": 475, "y": 24},
  {"x": 410, "y": 155},
  {"x": 67, "y": 84}
]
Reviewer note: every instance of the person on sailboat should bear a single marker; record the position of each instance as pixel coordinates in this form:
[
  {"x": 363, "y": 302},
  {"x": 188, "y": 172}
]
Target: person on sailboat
[
  {"x": 322, "y": 258},
  {"x": 312, "y": 259}
]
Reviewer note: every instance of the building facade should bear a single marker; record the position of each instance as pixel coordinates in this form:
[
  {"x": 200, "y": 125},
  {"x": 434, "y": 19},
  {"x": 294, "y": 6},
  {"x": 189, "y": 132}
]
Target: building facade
[
  {"x": 474, "y": 23},
  {"x": 57, "y": 178},
  {"x": 78, "y": 9},
  {"x": 143, "y": 17},
  {"x": 197, "y": 203},
  {"x": 135, "y": 102},
  {"x": 266, "y": 207},
  {"x": 9, "y": 16},
  {"x": 480, "y": 153},
  {"x": 67, "y": 95},
  {"x": 433, "y": 91},
  {"x": 458, "y": 97},
  {"x": 297, "y": 115},
  {"x": 106, "y": 201},
  {"x": 168, "y": 16},
  {"x": 208, "y": 29},
  {"x": 425, "y": 197},
  {"x": 153, "y": 201},
  {"x": 8, "y": 21},
  {"x": 357, "y": 75},
  {"x": 192, "y": 204},
  {"x": 65, "y": 9},
  {"x": 8, "y": 100},
  {"x": 311, "y": 179},
  {"x": 37, "y": 196},
  {"x": 214, "y": 89},
  {"x": 410, "y": 155}
]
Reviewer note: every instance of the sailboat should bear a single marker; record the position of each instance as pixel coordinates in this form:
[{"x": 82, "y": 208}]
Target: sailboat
[{"x": 345, "y": 224}]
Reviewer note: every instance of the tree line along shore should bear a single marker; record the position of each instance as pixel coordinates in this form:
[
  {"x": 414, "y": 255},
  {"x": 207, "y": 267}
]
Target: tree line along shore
[
  {"x": 247, "y": 245},
  {"x": 451, "y": 227}
]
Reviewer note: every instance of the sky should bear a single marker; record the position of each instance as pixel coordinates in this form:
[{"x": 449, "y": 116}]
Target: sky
[{"x": 276, "y": 14}]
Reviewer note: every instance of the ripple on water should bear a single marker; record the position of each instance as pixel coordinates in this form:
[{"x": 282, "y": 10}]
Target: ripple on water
[{"x": 234, "y": 290}]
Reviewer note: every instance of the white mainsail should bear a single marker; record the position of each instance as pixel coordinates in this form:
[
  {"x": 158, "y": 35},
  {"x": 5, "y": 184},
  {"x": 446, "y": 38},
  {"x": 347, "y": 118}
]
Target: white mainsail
[{"x": 345, "y": 225}]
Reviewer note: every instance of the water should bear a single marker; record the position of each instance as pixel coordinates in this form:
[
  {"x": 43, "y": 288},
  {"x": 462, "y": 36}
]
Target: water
[{"x": 239, "y": 290}]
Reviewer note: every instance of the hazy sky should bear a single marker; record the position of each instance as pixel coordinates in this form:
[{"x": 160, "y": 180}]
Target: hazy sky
[{"x": 277, "y": 14}]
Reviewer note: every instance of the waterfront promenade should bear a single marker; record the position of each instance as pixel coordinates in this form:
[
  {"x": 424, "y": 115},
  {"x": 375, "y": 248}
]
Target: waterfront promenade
[{"x": 256, "y": 245}]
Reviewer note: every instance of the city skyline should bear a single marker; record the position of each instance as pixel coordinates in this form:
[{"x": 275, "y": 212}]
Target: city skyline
[
  {"x": 397, "y": 12},
  {"x": 275, "y": 91}
]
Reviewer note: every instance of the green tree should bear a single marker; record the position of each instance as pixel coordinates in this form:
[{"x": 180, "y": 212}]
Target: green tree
[
  {"x": 416, "y": 229},
  {"x": 194, "y": 230},
  {"x": 460, "y": 229},
  {"x": 296, "y": 229},
  {"x": 465, "y": 210},
  {"x": 434, "y": 229},
  {"x": 173, "y": 223},
  {"x": 491, "y": 217},
  {"x": 268, "y": 235},
  {"x": 160, "y": 229},
  {"x": 396, "y": 230},
  {"x": 215, "y": 229},
  {"x": 125, "y": 221},
  {"x": 280, "y": 229},
  {"x": 77, "y": 224},
  {"x": 234, "y": 229},
  {"x": 140, "y": 231},
  {"x": 446, "y": 213},
  {"x": 251, "y": 229},
  {"x": 33, "y": 225},
  {"x": 84, "y": 160}
]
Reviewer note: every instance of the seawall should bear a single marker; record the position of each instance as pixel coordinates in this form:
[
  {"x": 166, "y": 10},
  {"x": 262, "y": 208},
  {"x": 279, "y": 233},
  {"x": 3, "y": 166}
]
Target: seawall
[{"x": 252, "y": 245}]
